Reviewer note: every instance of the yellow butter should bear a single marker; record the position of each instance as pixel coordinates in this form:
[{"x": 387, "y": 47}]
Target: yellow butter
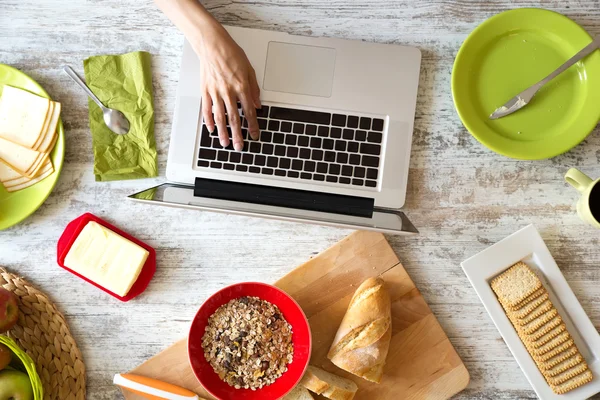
[{"x": 106, "y": 258}]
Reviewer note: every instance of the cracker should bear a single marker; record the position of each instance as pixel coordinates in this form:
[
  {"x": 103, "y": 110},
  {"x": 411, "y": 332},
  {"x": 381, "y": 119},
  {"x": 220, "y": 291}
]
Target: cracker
[
  {"x": 557, "y": 359},
  {"x": 515, "y": 284},
  {"x": 553, "y": 347},
  {"x": 573, "y": 383},
  {"x": 564, "y": 365},
  {"x": 542, "y": 340},
  {"x": 526, "y": 308},
  {"x": 539, "y": 322},
  {"x": 535, "y": 295},
  {"x": 568, "y": 374},
  {"x": 545, "y": 329},
  {"x": 545, "y": 306}
]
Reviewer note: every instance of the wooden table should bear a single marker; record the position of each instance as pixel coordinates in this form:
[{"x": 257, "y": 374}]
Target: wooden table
[{"x": 461, "y": 196}]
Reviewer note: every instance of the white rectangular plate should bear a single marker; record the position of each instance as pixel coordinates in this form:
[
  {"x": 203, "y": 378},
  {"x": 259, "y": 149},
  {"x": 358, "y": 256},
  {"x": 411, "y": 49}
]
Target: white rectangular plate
[{"x": 528, "y": 246}]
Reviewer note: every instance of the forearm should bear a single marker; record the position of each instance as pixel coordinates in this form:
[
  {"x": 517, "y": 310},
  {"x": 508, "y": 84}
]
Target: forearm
[{"x": 192, "y": 19}]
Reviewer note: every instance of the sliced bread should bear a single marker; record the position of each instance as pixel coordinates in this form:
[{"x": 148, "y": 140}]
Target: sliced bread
[
  {"x": 299, "y": 392},
  {"x": 327, "y": 384}
]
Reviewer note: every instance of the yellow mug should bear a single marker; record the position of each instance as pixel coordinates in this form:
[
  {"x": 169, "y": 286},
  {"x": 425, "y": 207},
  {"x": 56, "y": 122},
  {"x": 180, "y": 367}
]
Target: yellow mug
[{"x": 588, "y": 206}]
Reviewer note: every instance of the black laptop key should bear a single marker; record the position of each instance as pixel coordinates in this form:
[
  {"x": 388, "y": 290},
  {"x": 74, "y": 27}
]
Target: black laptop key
[
  {"x": 254, "y": 170},
  {"x": 332, "y": 179},
  {"x": 215, "y": 132},
  {"x": 292, "y": 152},
  {"x": 268, "y": 149},
  {"x": 235, "y": 157},
  {"x": 322, "y": 168},
  {"x": 262, "y": 123},
  {"x": 285, "y": 163},
  {"x": 298, "y": 128},
  {"x": 266, "y": 136},
  {"x": 329, "y": 156},
  {"x": 317, "y": 155},
  {"x": 358, "y": 182},
  {"x": 319, "y": 177},
  {"x": 340, "y": 145},
  {"x": 342, "y": 158},
  {"x": 293, "y": 174},
  {"x": 372, "y": 149},
  {"x": 328, "y": 144},
  {"x": 280, "y": 172},
  {"x": 223, "y": 155},
  {"x": 315, "y": 143},
  {"x": 375, "y": 137},
  {"x": 267, "y": 171},
  {"x": 368, "y": 161},
  {"x": 246, "y": 146},
  {"x": 334, "y": 169},
  {"x": 241, "y": 168},
  {"x": 207, "y": 154},
  {"x": 272, "y": 162},
  {"x": 248, "y": 159},
  {"x": 279, "y": 150},
  {"x": 372, "y": 173},
  {"x": 303, "y": 141},
  {"x": 286, "y": 126},
  {"x": 245, "y": 134},
  {"x": 216, "y": 144},
  {"x": 290, "y": 114},
  {"x": 360, "y": 136},
  {"x": 310, "y": 166},
  {"x": 348, "y": 134},
  {"x": 290, "y": 140},
  {"x": 229, "y": 167},
  {"x": 311, "y": 130},
  {"x": 344, "y": 180},
  {"x": 203, "y": 163},
  {"x": 338, "y": 120},
  {"x": 335, "y": 133},
  {"x": 297, "y": 165},
  {"x": 262, "y": 112},
  {"x": 254, "y": 147},
  {"x": 352, "y": 121},
  {"x": 347, "y": 170},
  {"x": 305, "y": 154},
  {"x": 359, "y": 172},
  {"x": 244, "y": 123},
  {"x": 278, "y": 138},
  {"x": 353, "y": 147},
  {"x": 305, "y": 175},
  {"x": 377, "y": 125},
  {"x": 273, "y": 125},
  {"x": 205, "y": 139},
  {"x": 323, "y": 131},
  {"x": 215, "y": 164},
  {"x": 260, "y": 160},
  {"x": 371, "y": 183},
  {"x": 354, "y": 159},
  {"x": 365, "y": 123}
]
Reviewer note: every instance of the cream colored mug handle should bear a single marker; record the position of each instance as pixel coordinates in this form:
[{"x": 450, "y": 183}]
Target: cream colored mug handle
[{"x": 578, "y": 179}]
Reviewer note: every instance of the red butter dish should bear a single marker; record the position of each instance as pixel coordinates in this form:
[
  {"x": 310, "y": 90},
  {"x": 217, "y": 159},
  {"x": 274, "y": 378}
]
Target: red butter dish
[{"x": 71, "y": 233}]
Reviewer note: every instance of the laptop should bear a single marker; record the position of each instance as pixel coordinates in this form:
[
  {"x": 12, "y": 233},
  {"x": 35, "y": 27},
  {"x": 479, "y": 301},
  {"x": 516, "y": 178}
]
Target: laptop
[{"x": 336, "y": 129}]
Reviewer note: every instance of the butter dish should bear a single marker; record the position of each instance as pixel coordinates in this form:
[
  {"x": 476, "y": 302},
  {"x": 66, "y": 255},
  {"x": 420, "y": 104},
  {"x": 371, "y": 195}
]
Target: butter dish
[{"x": 75, "y": 228}]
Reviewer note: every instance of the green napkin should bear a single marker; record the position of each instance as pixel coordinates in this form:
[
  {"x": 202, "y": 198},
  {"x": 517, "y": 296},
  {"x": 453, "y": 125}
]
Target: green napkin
[{"x": 122, "y": 82}]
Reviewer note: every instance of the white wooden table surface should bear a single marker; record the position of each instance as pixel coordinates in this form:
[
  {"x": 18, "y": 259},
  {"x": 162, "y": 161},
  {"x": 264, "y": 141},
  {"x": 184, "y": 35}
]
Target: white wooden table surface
[{"x": 461, "y": 196}]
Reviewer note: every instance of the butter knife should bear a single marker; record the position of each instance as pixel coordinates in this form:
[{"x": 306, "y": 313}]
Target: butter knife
[{"x": 523, "y": 98}]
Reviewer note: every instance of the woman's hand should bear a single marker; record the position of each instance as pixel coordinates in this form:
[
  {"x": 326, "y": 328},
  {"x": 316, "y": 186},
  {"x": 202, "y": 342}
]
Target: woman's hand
[{"x": 227, "y": 76}]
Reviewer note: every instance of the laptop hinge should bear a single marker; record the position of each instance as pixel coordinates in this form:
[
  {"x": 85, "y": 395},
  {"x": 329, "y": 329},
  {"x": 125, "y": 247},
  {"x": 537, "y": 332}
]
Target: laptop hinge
[{"x": 282, "y": 197}]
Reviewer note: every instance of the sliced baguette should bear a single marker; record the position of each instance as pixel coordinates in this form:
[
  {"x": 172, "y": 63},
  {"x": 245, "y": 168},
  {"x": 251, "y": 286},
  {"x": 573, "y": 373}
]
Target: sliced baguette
[
  {"x": 327, "y": 384},
  {"x": 299, "y": 392}
]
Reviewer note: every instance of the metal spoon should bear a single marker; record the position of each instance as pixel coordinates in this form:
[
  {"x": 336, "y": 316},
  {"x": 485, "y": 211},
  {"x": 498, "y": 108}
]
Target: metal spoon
[{"x": 114, "y": 119}]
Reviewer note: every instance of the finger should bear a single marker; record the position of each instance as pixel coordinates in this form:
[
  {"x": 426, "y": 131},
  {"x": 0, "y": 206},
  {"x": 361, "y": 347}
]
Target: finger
[
  {"x": 254, "y": 89},
  {"x": 234, "y": 122},
  {"x": 209, "y": 120},
  {"x": 219, "y": 113},
  {"x": 250, "y": 113}
]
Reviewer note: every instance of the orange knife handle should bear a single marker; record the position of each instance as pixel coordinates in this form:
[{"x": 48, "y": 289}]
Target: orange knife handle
[{"x": 152, "y": 388}]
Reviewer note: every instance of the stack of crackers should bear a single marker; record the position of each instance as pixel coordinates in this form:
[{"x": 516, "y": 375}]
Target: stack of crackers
[
  {"x": 27, "y": 136},
  {"x": 541, "y": 329}
]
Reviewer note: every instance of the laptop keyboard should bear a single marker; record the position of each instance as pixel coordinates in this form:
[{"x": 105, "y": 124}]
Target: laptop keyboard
[{"x": 302, "y": 144}]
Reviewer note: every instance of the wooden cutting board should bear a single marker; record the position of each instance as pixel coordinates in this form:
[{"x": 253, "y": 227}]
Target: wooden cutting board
[{"x": 421, "y": 364}]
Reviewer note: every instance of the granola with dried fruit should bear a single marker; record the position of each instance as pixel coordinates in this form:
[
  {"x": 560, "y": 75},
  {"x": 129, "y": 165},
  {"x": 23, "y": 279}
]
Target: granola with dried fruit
[{"x": 248, "y": 343}]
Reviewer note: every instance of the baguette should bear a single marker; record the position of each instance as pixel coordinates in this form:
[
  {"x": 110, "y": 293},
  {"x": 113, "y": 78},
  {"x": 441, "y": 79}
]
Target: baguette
[
  {"x": 363, "y": 339},
  {"x": 299, "y": 392},
  {"x": 327, "y": 384}
]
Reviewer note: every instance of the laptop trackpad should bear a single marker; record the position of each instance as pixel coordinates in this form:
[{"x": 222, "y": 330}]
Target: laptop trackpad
[{"x": 299, "y": 69}]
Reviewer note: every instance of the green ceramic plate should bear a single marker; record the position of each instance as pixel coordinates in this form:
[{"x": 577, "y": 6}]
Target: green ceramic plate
[
  {"x": 510, "y": 52},
  {"x": 16, "y": 206}
]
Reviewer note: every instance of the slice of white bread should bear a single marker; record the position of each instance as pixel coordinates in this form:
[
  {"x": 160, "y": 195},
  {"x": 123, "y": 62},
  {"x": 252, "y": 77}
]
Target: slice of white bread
[
  {"x": 299, "y": 392},
  {"x": 327, "y": 384}
]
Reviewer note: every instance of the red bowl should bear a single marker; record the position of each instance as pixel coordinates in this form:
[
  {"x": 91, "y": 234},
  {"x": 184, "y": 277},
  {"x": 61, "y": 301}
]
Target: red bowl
[{"x": 300, "y": 337}]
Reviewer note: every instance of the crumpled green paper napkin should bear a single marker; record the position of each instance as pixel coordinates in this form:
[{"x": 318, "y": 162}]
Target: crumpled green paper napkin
[{"x": 122, "y": 82}]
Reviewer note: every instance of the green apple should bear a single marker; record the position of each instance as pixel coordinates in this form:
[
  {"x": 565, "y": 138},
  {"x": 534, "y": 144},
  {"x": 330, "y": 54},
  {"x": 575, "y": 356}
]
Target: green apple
[
  {"x": 5, "y": 356},
  {"x": 15, "y": 385}
]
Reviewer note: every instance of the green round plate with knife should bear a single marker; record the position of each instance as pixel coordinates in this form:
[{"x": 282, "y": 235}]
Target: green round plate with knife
[
  {"x": 507, "y": 54},
  {"x": 18, "y": 205}
]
